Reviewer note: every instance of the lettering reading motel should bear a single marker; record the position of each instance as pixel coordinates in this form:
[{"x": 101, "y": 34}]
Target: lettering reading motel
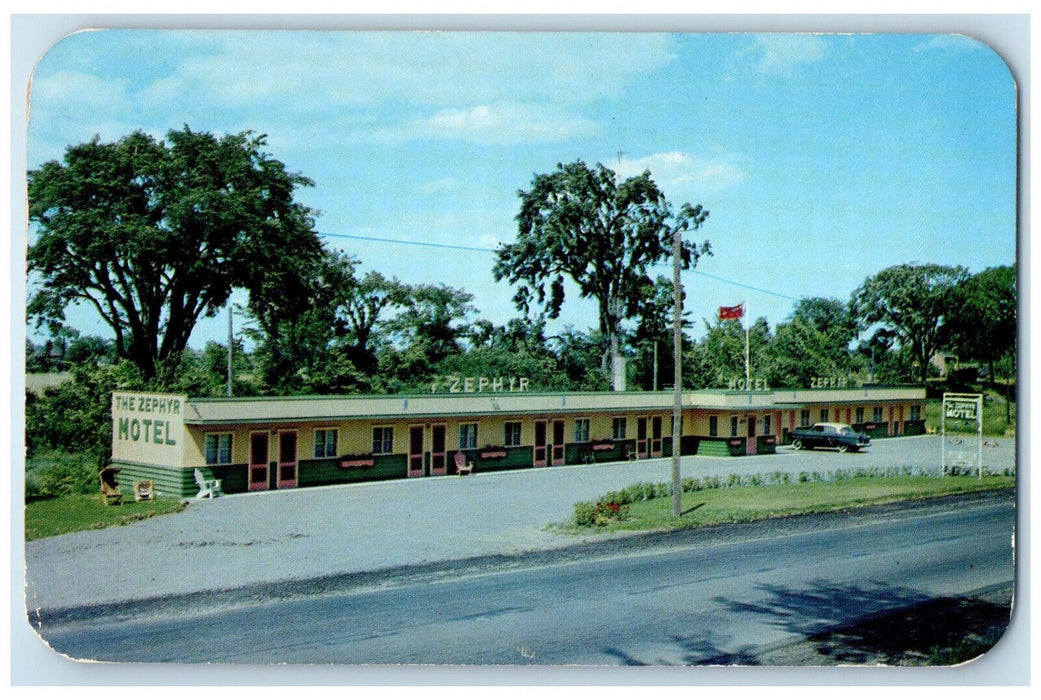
[
  {"x": 962, "y": 410},
  {"x": 153, "y": 431},
  {"x": 751, "y": 385}
]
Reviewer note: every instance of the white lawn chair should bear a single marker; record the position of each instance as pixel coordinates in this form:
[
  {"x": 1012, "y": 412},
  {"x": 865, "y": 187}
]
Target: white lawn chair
[
  {"x": 208, "y": 488},
  {"x": 463, "y": 468}
]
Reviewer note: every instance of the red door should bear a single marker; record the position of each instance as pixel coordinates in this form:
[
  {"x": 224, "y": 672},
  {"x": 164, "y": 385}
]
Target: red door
[
  {"x": 258, "y": 461},
  {"x": 416, "y": 435},
  {"x": 557, "y": 449},
  {"x": 438, "y": 454},
  {"x": 287, "y": 460},
  {"x": 538, "y": 458},
  {"x": 750, "y": 449},
  {"x": 641, "y": 438}
]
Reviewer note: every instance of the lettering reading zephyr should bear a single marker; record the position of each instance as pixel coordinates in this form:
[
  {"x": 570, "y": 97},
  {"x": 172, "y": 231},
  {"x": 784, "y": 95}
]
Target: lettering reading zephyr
[
  {"x": 454, "y": 384},
  {"x": 148, "y": 404}
]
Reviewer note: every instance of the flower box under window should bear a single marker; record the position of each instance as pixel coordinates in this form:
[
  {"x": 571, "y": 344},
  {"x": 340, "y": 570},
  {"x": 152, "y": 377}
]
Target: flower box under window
[{"x": 356, "y": 462}]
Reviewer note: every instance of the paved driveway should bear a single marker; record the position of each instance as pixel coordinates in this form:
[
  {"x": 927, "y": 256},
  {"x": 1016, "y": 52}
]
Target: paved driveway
[{"x": 306, "y": 533}]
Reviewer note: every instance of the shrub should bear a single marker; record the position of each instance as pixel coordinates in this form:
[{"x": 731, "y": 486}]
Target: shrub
[
  {"x": 67, "y": 476},
  {"x": 599, "y": 514},
  {"x": 585, "y": 512}
]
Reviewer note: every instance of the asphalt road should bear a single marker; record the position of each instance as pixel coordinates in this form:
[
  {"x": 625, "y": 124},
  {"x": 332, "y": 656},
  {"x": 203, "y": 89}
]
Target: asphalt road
[
  {"x": 277, "y": 536},
  {"x": 700, "y": 599}
]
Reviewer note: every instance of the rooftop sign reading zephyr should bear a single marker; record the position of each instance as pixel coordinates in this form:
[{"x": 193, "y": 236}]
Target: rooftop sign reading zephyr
[{"x": 454, "y": 384}]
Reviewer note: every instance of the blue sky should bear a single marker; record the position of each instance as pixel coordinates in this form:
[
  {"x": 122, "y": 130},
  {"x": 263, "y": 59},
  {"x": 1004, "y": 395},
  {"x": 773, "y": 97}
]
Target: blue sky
[{"x": 823, "y": 159}]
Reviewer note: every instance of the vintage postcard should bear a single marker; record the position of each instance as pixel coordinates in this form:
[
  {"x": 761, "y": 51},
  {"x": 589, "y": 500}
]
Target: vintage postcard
[{"x": 463, "y": 348}]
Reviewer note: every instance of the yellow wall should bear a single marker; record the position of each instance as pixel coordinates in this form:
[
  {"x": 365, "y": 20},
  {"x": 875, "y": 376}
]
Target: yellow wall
[{"x": 355, "y": 436}]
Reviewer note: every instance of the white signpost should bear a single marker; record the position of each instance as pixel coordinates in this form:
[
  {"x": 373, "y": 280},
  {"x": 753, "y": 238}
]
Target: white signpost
[{"x": 957, "y": 449}]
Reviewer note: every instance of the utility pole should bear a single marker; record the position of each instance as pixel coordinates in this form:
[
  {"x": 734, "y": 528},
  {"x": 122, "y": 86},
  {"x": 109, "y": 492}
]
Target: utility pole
[
  {"x": 230, "y": 336},
  {"x": 677, "y": 394},
  {"x": 655, "y": 386}
]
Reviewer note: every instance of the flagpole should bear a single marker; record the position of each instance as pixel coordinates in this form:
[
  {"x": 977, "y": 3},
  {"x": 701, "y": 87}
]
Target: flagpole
[{"x": 748, "y": 372}]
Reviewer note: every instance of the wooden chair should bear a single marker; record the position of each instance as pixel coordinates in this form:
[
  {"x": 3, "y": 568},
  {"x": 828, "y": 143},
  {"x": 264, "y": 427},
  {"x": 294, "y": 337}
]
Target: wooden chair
[
  {"x": 144, "y": 490},
  {"x": 461, "y": 465},
  {"x": 208, "y": 488},
  {"x": 110, "y": 493}
]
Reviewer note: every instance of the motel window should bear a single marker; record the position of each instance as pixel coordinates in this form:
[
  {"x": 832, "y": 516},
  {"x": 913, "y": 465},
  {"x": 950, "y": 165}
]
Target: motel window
[
  {"x": 713, "y": 426},
  {"x": 618, "y": 429},
  {"x": 218, "y": 448},
  {"x": 824, "y": 415},
  {"x": 383, "y": 440},
  {"x": 468, "y": 436},
  {"x": 513, "y": 433},
  {"x": 916, "y": 412},
  {"x": 860, "y": 414},
  {"x": 766, "y": 426},
  {"x": 733, "y": 426},
  {"x": 804, "y": 417},
  {"x": 581, "y": 430},
  {"x": 325, "y": 442},
  {"x": 877, "y": 414}
]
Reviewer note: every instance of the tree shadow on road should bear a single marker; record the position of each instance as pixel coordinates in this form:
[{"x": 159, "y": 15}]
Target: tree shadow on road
[
  {"x": 863, "y": 624},
  {"x": 878, "y": 624}
]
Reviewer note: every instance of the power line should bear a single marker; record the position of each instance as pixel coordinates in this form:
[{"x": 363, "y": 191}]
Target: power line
[
  {"x": 745, "y": 286},
  {"x": 401, "y": 241},
  {"x": 404, "y": 242}
]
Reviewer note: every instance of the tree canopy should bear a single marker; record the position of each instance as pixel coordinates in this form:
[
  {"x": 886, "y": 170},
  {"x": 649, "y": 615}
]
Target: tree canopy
[
  {"x": 911, "y": 303},
  {"x": 984, "y": 323},
  {"x": 581, "y": 223},
  {"x": 814, "y": 341},
  {"x": 156, "y": 234}
]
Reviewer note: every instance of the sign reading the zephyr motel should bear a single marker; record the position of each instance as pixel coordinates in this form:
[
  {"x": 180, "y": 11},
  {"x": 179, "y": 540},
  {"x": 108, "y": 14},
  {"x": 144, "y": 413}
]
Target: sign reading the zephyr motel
[
  {"x": 965, "y": 410},
  {"x": 147, "y": 427}
]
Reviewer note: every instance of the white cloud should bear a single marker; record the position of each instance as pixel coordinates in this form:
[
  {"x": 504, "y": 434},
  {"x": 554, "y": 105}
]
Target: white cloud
[
  {"x": 320, "y": 70},
  {"x": 957, "y": 43},
  {"x": 780, "y": 54},
  {"x": 490, "y": 87},
  {"x": 675, "y": 171},
  {"x": 440, "y": 186},
  {"x": 71, "y": 107},
  {"x": 494, "y": 123}
]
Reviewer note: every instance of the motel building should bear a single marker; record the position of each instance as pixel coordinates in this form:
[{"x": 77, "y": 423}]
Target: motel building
[{"x": 261, "y": 444}]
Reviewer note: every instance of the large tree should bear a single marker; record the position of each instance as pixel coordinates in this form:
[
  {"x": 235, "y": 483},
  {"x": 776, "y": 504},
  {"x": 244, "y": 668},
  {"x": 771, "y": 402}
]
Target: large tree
[
  {"x": 652, "y": 337},
  {"x": 432, "y": 326},
  {"x": 156, "y": 234},
  {"x": 910, "y": 304},
  {"x": 582, "y": 223},
  {"x": 983, "y": 326},
  {"x": 814, "y": 341}
]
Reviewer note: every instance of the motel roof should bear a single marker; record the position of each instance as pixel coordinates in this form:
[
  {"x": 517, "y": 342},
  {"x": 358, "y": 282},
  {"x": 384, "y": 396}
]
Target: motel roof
[{"x": 328, "y": 408}]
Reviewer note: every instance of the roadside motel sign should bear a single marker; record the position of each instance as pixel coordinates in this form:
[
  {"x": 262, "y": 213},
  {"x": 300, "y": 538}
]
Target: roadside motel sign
[
  {"x": 957, "y": 446},
  {"x": 148, "y": 428}
]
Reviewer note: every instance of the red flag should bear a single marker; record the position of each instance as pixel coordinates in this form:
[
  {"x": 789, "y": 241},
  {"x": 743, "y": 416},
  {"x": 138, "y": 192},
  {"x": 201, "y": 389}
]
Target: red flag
[{"x": 731, "y": 312}]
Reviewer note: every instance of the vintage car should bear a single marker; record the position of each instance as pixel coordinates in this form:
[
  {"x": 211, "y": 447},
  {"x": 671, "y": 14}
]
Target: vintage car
[{"x": 838, "y": 435}]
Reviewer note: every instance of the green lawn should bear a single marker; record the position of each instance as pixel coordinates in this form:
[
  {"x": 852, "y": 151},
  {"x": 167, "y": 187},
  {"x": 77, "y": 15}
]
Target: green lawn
[
  {"x": 56, "y": 516},
  {"x": 748, "y": 503}
]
